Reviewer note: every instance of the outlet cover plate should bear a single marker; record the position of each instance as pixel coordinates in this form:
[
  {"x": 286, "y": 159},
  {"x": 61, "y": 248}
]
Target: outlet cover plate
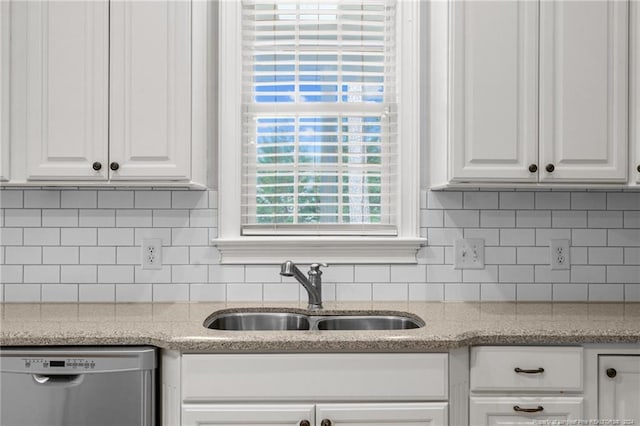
[
  {"x": 469, "y": 253},
  {"x": 151, "y": 253},
  {"x": 560, "y": 259}
]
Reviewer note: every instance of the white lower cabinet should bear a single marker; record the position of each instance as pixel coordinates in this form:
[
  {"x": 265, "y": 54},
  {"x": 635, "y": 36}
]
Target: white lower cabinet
[
  {"x": 306, "y": 389},
  {"x": 382, "y": 414},
  {"x": 505, "y": 411},
  {"x": 619, "y": 388}
]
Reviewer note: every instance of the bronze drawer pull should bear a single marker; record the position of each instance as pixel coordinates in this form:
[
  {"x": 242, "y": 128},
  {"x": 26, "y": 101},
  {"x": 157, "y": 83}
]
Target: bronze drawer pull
[
  {"x": 536, "y": 371},
  {"x": 528, "y": 410}
]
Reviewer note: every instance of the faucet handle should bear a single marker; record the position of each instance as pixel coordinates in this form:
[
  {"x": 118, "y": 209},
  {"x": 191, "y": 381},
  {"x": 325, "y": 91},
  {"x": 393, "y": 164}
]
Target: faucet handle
[{"x": 316, "y": 266}]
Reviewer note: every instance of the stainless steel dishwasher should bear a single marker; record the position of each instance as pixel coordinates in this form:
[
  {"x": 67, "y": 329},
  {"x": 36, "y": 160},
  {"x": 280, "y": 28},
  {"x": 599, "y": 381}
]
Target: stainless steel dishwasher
[{"x": 77, "y": 386}]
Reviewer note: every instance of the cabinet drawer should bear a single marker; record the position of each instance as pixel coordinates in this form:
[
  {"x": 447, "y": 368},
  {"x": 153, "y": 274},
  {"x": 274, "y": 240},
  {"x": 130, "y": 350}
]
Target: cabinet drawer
[
  {"x": 525, "y": 410},
  {"x": 314, "y": 377},
  {"x": 526, "y": 368}
]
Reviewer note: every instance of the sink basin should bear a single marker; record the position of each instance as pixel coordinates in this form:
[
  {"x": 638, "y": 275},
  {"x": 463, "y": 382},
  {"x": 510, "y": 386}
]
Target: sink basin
[
  {"x": 263, "y": 321},
  {"x": 255, "y": 321},
  {"x": 368, "y": 322}
]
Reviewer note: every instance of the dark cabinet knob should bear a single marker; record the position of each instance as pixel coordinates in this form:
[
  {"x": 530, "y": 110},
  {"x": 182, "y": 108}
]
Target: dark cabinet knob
[
  {"x": 305, "y": 423},
  {"x": 638, "y": 168},
  {"x": 325, "y": 422},
  {"x": 97, "y": 166},
  {"x": 114, "y": 166},
  {"x": 533, "y": 168},
  {"x": 611, "y": 372},
  {"x": 550, "y": 168}
]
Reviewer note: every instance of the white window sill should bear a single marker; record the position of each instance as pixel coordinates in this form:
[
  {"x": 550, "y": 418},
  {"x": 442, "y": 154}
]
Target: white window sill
[{"x": 330, "y": 250}]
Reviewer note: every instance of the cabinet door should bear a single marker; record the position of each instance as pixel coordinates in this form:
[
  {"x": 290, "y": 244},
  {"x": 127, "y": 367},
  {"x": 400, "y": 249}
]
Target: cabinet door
[
  {"x": 584, "y": 90},
  {"x": 245, "y": 414},
  {"x": 619, "y": 396},
  {"x": 506, "y": 411},
  {"x": 66, "y": 88},
  {"x": 494, "y": 124},
  {"x": 383, "y": 414},
  {"x": 635, "y": 89},
  {"x": 4, "y": 90},
  {"x": 150, "y": 104}
]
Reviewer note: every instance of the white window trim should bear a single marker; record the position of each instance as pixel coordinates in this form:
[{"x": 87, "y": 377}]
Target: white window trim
[{"x": 237, "y": 249}]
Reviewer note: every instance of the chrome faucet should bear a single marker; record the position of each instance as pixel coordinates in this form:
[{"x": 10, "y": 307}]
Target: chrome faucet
[{"x": 313, "y": 284}]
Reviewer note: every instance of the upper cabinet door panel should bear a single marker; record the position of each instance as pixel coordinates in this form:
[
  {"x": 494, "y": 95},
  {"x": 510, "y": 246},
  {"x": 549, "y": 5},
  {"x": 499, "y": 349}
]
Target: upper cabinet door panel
[
  {"x": 66, "y": 89},
  {"x": 150, "y": 127},
  {"x": 494, "y": 90},
  {"x": 635, "y": 89},
  {"x": 4, "y": 90},
  {"x": 584, "y": 90}
]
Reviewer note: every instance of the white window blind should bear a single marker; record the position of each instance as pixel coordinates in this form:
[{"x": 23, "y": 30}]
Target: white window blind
[{"x": 319, "y": 117}]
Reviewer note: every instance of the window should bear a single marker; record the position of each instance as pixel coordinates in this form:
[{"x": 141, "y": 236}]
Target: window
[{"x": 319, "y": 130}]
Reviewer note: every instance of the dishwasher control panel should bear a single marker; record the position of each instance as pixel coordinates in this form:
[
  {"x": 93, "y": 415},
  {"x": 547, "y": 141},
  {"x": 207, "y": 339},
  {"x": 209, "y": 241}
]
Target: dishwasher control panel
[{"x": 64, "y": 364}]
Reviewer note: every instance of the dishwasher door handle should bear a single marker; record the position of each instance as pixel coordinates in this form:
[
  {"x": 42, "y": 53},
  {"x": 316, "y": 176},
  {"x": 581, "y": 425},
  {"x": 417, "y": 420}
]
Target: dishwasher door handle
[{"x": 62, "y": 380}]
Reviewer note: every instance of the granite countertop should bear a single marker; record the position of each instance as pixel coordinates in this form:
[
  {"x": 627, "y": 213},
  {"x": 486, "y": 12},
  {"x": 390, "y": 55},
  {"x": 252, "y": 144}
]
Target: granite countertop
[{"x": 448, "y": 325}]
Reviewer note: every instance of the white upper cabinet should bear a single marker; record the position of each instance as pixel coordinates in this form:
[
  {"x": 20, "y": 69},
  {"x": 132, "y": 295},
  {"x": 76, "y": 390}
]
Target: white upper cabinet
[
  {"x": 635, "y": 90},
  {"x": 538, "y": 92},
  {"x": 494, "y": 90},
  {"x": 150, "y": 105},
  {"x": 101, "y": 92},
  {"x": 4, "y": 90},
  {"x": 584, "y": 80},
  {"x": 66, "y": 71}
]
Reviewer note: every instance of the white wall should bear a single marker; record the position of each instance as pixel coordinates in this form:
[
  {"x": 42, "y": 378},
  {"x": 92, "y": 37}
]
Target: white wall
[{"x": 83, "y": 245}]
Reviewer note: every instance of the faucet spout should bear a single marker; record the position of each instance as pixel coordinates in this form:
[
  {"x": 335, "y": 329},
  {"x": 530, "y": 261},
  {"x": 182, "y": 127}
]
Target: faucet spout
[{"x": 313, "y": 284}]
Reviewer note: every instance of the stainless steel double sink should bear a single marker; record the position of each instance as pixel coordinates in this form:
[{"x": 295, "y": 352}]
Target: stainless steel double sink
[{"x": 286, "y": 321}]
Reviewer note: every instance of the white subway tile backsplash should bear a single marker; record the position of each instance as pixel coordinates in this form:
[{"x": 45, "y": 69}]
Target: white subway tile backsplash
[
  {"x": 152, "y": 199},
  {"x": 493, "y": 292},
  {"x": 22, "y": 293},
  {"x": 134, "y": 293},
  {"x": 606, "y": 292},
  {"x": 604, "y": 219},
  {"x": 115, "y": 236},
  {"x": 42, "y": 236},
  {"x": 516, "y": 200},
  {"x": 138, "y": 218},
  {"x": 372, "y": 273},
  {"x": 571, "y": 292},
  {"x": 23, "y": 217},
  {"x": 41, "y": 199},
  {"x": 498, "y": 218},
  {"x": 60, "y": 217},
  {"x": 11, "y": 199},
  {"x": 623, "y": 201},
  {"x": 60, "y": 293},
  {"x": 588, "y": 201},
  {"x": 79, "y": 199},
  {"x": 78, "y": 236},
  {"x": 208, "y": 292},
  {"x": 170, "y": 292},
  {"x": 96, "y": 293},
  {"x": 480, "y": 200},
  {"x": 624, "y": 237},
  {"x": 171, "y": 218},
  {"x": 97, "y": 255},
  {"x": 569, "y": 219},
  {"x": 70, "y": 244},
  {"x": 538, "y": 292},
  {"x": 115, "y": 199},
  {"x": 461, "y": 218},
  {"x": 42, "y": 274},
  {"x": 16, "y": 255},
  {"x": 78, "y": 274},
  {"x": 552, "y": 200}
]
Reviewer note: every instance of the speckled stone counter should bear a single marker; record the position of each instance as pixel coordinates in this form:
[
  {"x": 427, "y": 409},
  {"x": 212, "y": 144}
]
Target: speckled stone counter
[{"x": 448, "y": 325}]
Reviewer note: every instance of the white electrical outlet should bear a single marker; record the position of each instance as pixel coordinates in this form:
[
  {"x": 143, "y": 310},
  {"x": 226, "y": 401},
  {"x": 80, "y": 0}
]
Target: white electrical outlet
[
  {"x": 152, "y": 253},
  {"x": 560, "y": 254},
  {"x": 469, "y": 253}
]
